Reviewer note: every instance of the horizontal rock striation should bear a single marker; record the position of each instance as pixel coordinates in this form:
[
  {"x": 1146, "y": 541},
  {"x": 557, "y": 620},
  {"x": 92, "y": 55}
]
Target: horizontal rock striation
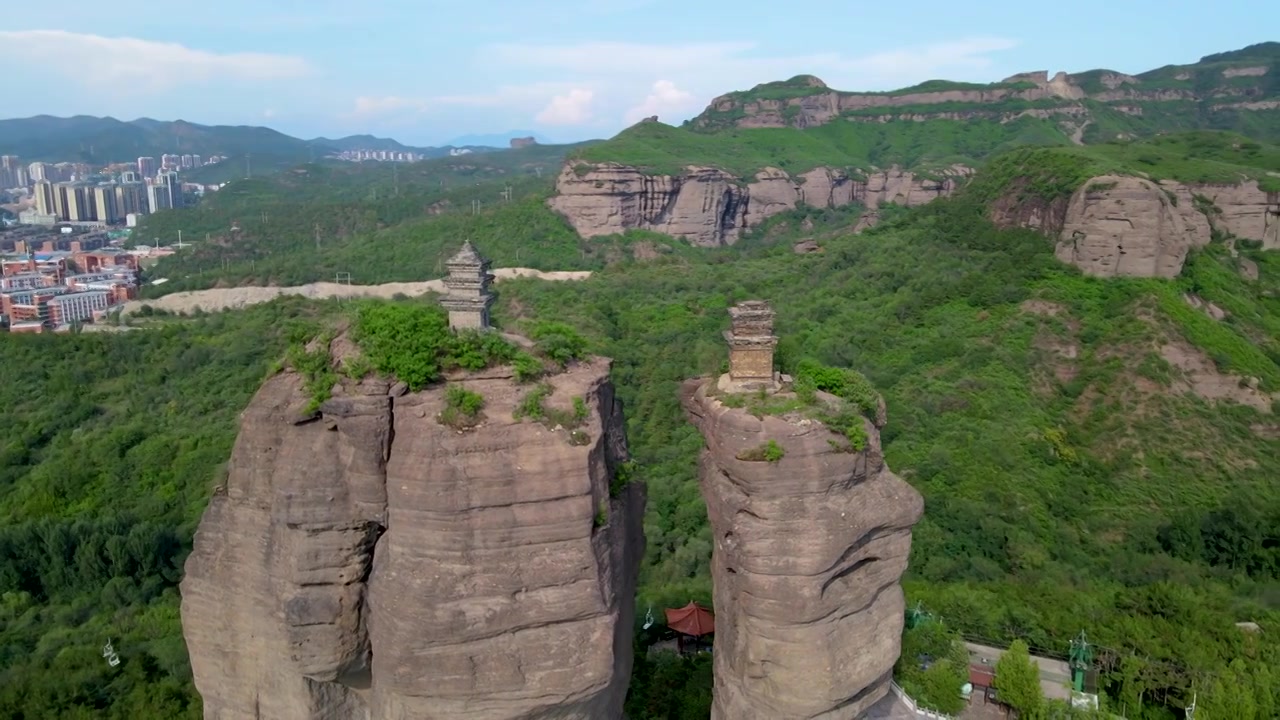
[
  {"x": 367, "y": 562},
  {"x": 710, "y": 207},
  {"x": 1120, "y": 225},
  {"x": 808, "y": 554}
]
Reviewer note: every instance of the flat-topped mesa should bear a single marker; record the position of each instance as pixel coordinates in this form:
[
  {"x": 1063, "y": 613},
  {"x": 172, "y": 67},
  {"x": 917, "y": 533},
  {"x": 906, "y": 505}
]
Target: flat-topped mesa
[
  {"x": 811, "y": 537},
  {"x": 379, "y": 560},
  {"x": 468, "y": 297}
]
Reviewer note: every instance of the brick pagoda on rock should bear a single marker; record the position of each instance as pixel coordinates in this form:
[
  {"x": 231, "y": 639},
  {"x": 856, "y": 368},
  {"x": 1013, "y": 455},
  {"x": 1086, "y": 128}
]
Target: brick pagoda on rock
[
  {"x": 468, "y": 298},
  {"x": 751, "y": 344}
]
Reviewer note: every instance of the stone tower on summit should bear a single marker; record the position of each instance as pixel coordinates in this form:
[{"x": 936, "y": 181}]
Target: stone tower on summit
[{"x": 468, "y": 298}]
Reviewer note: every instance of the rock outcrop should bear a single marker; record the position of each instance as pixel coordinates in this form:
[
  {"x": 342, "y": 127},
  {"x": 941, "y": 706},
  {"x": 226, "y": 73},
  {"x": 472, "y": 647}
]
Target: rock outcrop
[
  {"x": 1122, "y": 225},
  {"x": 807, "y": 558},
  {"x": 1128, "y": 226},
  {"x": 366, "y": 562},
  {"x": 710, "y": 207}
]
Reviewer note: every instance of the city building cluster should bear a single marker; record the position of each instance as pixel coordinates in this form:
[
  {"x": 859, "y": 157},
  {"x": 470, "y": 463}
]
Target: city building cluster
[
  {"x": 80, "y": 194},
  {"x": 52, "y": 279}
]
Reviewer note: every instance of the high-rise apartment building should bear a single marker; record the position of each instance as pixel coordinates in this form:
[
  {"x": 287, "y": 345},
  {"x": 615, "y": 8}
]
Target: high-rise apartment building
[
  {"x": 79, "y": 199},
  {"x": 37, "y": 172},
  {"x": 105, "y": 205},
  {"x": 46, "y": 203},
  {"x": 131, "y": 197},
  {"x": 158, "y": 197},
  {"x": 196, "y": 161},
  {"x": 170, "y": 162},
  {"x": 147, "y": 167},
  {"x": 174, "y": 187},
  {"x": 12, "y": 173}
]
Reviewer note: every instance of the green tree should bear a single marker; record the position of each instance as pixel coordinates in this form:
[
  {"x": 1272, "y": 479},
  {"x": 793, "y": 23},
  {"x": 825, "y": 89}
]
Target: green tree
[
  {"x": 1018, "y": 681},
  {"x": 1230, "y": 696}
]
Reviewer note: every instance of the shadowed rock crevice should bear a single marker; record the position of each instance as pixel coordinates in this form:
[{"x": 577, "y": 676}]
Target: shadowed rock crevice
[{"x": 367, "y": 562}]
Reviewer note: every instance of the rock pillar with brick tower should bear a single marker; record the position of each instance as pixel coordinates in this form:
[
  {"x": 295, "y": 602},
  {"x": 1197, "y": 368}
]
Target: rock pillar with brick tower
[
  {"x": 468, "y": 297},
  {"x": 751, "y": 345},
  {"x": 811, "y": 532}
]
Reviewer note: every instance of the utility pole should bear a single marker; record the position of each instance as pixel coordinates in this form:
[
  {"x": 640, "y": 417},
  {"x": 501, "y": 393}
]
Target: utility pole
[
  {"x": 317, "y": 229},
  {"x": 506, "y": 193},
  {"x": 248, "y": 165},
  {"x": 395, "y": 173}
]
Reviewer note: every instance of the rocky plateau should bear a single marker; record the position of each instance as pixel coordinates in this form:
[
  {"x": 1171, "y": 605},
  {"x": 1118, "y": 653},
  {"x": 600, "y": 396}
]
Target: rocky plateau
[
  {"x": 367, "y": 562},
  {"x": 807, "y": 558}
]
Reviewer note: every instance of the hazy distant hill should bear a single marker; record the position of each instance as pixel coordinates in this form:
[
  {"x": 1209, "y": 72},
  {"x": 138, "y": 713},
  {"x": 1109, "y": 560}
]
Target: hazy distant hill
[
  {"x": 102, "y": 140},
  {"x": 369, "y": 142},
  {"x": 500, "y": 140}
]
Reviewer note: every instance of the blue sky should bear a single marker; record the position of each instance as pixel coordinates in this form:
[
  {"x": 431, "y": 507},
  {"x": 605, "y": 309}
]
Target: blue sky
[{"x": 424, "y": 71}]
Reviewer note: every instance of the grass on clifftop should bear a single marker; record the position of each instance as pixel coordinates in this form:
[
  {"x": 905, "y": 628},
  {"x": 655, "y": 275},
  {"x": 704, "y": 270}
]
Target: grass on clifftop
[
  {"x": 1200, "y": 157},
  {"x": 664, "y": 150}
]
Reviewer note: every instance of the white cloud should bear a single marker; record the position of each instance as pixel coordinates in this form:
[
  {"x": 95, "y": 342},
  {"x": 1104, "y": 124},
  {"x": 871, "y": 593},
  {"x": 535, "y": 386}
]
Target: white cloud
[
  {"x": 508, "y": 96},
  {"x": 123, "y": 65},
  {"x": 571, "y": 108},
  {"x": 664, "y": 98},
  {"x": 691, "y": 74},
  {"x": 367, "y": 106}
]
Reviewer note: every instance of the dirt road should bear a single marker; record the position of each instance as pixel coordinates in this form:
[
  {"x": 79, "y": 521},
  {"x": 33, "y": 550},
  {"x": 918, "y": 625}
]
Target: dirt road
[{"x": 228, "y": 298}]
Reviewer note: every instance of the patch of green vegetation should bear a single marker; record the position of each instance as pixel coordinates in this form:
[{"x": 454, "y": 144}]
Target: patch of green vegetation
[
  {"x": 797, "y": 87},
  {"x": 769, "y": 451},
  {"x": 461, "y": 408},
  {"x": 994, "y": 110},
  {"x": 413, "y": 343},
  {"x": 933, "y": 667},
  {"x": 558, "y": 342},
  {"x": 534, "y": 407},
  {"x": 665, "y": 150},
  {"x": 309, "y": 356},
  {"x": 1200, "y": 157}
]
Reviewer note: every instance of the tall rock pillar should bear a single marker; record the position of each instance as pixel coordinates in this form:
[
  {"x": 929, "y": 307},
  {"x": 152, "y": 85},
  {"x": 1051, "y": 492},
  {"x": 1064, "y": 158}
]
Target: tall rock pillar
[{"x": 808, "y": 554}]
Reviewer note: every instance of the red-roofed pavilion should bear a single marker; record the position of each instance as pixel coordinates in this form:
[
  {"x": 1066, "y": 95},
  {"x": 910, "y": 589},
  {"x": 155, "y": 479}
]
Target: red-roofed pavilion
[{"x": 691, "y": 621}]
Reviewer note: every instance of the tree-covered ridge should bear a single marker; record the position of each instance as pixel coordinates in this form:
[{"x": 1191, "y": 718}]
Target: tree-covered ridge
[
  {"x": 1195, "y": 158},
  {"x": 663, "y": 149},
  {"x": 1226, "y": 91}
]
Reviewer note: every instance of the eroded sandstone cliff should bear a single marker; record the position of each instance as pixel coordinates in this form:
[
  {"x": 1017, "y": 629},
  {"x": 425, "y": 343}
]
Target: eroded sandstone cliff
[
  {"x": 1123, "y": 225},
  {"x": 710, "y": 207},
  {"x": 809, "y": 550},
  {"x": 368, "y": 562}
]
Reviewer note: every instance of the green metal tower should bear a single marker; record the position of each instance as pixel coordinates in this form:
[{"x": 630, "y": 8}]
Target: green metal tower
[
  {"x": 917, "y": 616},
  {"x": 1081, "y": 661}
]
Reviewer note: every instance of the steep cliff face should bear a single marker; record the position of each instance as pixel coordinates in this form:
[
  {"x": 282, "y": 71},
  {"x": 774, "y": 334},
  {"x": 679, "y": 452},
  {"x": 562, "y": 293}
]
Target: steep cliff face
[
  {"x": 710, "y": 207},
  {"x": 369, "y": 562},
  {"x": 808, "y": 554},
  {"x": 1120, "y": 225}
]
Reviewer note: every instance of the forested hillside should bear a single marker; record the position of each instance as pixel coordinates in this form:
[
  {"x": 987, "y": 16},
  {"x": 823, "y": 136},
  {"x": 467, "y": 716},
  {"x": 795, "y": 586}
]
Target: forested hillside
[
  {"x": 379, "y": 222},
  {"x": 1074, "y": 477},
  {"x": 1096, "y": 455}
]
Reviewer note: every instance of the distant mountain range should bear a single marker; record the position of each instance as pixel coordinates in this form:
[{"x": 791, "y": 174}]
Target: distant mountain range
[
  {"x": 500, "y": 140},
  {"x": 101, "y": 140}
]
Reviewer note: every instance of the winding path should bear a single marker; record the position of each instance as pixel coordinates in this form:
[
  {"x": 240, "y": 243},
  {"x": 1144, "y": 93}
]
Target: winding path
[{"x": 215, "y": 299}]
